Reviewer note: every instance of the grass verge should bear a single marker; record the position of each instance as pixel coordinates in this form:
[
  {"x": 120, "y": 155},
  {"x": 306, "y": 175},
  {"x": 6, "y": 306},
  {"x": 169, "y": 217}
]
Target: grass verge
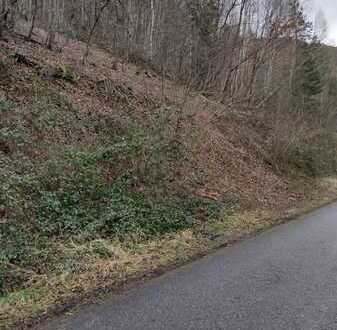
[{"x": 109, "y": 265}]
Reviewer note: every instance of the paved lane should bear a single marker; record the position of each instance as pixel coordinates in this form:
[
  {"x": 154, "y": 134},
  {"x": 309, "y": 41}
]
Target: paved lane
[{"x": 286, "y": 278}]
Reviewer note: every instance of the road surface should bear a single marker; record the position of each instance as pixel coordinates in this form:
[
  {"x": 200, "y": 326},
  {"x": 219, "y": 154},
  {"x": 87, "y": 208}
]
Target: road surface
[{"x": 286, "y": 278}]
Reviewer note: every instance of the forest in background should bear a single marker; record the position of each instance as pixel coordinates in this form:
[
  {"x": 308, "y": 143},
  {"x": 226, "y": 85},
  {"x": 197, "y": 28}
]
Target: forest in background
[
  {"x": 134, "y": 133},
  {"x": 259, "y": 58}
]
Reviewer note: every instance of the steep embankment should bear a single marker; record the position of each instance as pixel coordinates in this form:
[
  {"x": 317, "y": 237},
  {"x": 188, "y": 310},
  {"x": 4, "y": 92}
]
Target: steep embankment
[
  {"x": 110, "y": 87},
  {"x": 109, "y": 171}
]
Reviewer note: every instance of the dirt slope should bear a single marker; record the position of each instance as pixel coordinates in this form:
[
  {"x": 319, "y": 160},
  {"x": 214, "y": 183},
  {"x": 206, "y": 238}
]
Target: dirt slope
[{"x": 106, "y": 83}]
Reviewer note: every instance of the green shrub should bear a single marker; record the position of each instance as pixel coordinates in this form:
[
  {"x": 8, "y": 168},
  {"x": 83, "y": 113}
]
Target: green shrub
[
  {"x": 316, "y": 157},
  {"x": 66, "y": 72},
  {"x": 5, "y": 106},
  {"x": 94, "y": 209},
  {"x": 5, "y": 73}
]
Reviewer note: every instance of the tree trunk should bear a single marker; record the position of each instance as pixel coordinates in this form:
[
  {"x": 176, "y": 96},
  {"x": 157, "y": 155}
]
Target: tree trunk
[
  {"x": 34, "y": 13},
  {"x": 152, "y": 29}
]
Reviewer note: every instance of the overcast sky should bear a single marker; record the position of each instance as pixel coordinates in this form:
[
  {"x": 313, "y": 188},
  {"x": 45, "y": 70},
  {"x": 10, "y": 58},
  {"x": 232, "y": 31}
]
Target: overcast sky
[{"x": 329, "y": 8}]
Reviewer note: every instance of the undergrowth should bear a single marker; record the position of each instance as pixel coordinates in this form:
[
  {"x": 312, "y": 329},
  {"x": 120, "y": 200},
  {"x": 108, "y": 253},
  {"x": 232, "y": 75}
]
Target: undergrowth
[{"x": 70, "y": 175}]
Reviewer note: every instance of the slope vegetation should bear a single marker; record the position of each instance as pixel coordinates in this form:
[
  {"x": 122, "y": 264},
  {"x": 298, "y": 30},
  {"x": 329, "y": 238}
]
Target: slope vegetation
[{"x": 109, "y": 170}]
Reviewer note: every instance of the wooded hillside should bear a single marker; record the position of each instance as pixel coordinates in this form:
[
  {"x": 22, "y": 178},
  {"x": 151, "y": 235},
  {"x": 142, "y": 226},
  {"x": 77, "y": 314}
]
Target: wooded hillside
[
  {"x": 137, "y": 134},
  {"x": 259, "y": 58}
]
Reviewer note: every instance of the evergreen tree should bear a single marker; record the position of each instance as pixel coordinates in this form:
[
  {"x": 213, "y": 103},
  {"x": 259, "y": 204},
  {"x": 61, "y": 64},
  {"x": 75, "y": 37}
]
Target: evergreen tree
[
  {"x": 205, "y": 15},
  {"x": 308, "y": 78},
  {"x": 312, "y": 81}
]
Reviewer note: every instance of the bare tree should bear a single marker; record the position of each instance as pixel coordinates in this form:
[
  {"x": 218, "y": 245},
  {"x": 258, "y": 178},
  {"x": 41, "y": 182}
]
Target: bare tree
[
  {"x": 33, "y": 20},
  {"x": 97, "y": 16}
]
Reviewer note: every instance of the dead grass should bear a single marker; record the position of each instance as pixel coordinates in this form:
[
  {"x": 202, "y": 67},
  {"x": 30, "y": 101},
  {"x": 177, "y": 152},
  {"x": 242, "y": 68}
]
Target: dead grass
[{"x": 120, "y": 264}]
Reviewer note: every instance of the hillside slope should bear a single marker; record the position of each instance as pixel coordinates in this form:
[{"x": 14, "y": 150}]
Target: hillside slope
[
  {"x": 108, "y": 86},
  {"x": 106, "y": 168}
]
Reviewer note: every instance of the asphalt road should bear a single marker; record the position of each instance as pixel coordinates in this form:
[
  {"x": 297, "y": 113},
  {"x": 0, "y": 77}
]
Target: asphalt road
[{"x": 286, "y": 278}]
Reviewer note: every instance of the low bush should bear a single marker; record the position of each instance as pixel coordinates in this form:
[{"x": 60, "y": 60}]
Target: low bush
[{"x": 67, "y": 73}]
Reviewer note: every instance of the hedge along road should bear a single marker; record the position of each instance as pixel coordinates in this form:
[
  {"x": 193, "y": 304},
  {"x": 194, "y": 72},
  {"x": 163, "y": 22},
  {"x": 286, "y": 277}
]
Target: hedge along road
[{"x": 285, "y": 278}]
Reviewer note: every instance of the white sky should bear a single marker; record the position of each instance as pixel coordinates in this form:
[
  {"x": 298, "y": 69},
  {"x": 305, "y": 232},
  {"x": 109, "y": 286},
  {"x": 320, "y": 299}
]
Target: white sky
[{"x": 329, "y": 7}]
